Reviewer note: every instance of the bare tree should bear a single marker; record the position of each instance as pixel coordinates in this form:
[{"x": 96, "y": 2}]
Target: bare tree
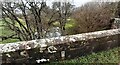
[
  {"x": 26, "y": 18},
  {"x": 94, "y": 16},
  {"x": 118, "y": 10}
]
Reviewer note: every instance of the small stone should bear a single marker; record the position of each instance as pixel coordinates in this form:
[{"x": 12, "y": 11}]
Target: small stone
[
  {"x": 8, "y": 55},
  {"x": 42, "y": 60}
]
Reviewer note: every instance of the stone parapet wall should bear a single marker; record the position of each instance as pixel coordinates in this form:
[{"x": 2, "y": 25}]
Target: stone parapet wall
[
  {"x": 9, "y": 47},
  {"x": 59, "y": 48}
]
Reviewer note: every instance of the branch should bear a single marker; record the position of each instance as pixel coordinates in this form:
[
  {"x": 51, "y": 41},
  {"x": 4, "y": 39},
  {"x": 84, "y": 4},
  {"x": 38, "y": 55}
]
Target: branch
[
  {"x": 12, "y": 13},
  {"x": 26, "y": 20}
]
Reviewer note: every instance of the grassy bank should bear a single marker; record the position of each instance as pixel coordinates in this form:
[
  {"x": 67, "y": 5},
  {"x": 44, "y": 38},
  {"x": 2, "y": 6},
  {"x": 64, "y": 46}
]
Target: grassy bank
[
  {"x": 5, "y": 31},
  {"x": 109, "y": 57}
]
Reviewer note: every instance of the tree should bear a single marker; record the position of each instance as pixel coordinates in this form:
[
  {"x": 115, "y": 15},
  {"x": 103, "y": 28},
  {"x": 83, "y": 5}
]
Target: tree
[
  {"x": 64, "y": 11},
  {"x": 118, "y": 10},
  {"x": 94, "y": 16},
  {"x": 24, "y": 32},
  {"x": 26, "y": 18}
]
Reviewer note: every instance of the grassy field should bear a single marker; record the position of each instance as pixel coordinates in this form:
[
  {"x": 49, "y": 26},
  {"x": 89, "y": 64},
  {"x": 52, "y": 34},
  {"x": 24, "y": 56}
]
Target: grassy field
[{"x": 4, "y": 31}]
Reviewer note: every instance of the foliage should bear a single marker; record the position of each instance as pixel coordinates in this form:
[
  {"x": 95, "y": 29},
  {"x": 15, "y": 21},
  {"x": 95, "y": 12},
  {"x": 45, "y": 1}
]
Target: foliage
[
  {"x": 118, "y": 10},
  {"x": 69, "y": 26},
  {"x": 5, "y": 31},
  {"x": 94, "y": 16},
  {"x": 10, "y": 40},
  {"x": 26, "y": 18}
]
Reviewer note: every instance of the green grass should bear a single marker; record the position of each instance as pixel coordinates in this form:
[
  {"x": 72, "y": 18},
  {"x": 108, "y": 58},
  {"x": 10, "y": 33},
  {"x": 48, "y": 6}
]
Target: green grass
[
  {"x": 1, "y": 27},
  {"x": 69, "y": 26},
  {"x": 9, "y": 41},
  {"x": 110, "y": 56},
  {"x": 5, "y": 31}
]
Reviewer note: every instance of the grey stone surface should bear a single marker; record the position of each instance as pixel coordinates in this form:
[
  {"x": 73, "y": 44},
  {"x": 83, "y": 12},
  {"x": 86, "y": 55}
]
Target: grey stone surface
[{"x": 55, "y": 40}]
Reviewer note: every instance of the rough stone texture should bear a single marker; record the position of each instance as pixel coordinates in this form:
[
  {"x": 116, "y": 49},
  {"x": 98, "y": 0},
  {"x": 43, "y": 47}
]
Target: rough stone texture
[
  {"x": 25, "y": 45},
  {"x": 73, "y": 45}
]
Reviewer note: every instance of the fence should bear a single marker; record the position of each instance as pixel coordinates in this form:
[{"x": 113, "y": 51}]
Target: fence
[{"x": 60, "y": 47}]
